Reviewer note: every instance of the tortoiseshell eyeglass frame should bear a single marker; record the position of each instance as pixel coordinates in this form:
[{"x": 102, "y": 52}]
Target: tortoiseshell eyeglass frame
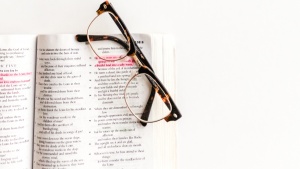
[{"x": 144, "y": 66}]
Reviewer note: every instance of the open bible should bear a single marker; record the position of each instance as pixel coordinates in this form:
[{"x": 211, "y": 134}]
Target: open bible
[{"x": 61, "y": 107}]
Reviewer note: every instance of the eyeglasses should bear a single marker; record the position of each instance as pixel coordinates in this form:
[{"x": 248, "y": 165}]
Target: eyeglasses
[{"x": 143, "y": 84}]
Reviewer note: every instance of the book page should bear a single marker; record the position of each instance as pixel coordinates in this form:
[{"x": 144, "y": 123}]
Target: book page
[
  {"x": 81, "y": 119},
  {"x": 17, "y": 70}
]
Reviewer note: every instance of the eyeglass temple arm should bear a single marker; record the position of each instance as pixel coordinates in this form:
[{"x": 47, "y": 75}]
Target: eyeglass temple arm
[
  {"x": 118, "y": 24},
  {"x": 83, "y": 38}
]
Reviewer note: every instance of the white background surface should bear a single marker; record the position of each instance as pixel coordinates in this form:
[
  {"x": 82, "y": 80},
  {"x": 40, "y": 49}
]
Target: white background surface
[{"x": 238, "y": 71}]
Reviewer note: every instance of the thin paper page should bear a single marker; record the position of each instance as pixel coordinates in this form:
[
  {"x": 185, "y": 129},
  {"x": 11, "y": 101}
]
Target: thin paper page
[
  {"x": 17, "y": 70},
  {"x": 81, "y": 117}
]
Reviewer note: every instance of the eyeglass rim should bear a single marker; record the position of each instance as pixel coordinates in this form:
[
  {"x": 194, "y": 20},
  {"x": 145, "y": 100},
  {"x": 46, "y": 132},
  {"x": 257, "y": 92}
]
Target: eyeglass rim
[
  {"x": 133, "y": 49},
  {"x": 142, "y": 120},
  {"x": 90, "y": 42}
]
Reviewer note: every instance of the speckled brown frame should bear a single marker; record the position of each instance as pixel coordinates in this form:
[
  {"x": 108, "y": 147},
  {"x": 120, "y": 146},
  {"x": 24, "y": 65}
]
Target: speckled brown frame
[{"x": 144, "y": 66}]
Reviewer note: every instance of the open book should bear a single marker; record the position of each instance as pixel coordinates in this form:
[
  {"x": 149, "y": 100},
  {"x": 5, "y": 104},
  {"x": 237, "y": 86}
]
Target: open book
[{"x": 61, "y": 108}]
